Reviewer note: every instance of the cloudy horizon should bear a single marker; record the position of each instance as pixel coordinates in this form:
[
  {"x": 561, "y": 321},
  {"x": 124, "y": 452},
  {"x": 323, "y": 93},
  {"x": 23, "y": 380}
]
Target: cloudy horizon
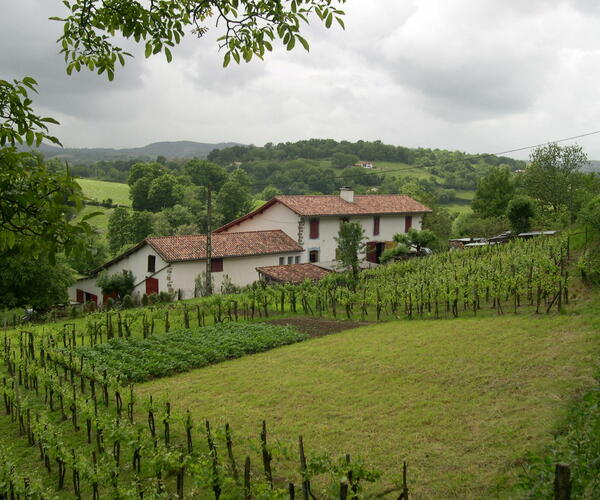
[{"x": 475, "y": 76}]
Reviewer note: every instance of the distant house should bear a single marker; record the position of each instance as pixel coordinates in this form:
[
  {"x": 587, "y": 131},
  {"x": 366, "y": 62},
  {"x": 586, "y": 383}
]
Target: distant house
[
  {"x": 172, "y": 263},
  {"x": 314, "y": 221},
  {"x": 364, "y": 164}
]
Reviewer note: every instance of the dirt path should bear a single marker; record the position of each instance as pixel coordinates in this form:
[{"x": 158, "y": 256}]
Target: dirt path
[{"x": 318, "y": 327}]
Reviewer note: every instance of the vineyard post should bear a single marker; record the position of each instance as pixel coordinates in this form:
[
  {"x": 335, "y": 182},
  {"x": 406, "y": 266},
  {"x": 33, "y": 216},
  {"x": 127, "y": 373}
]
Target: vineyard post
[
  {"x": 229, "y": 444},
  {"x": 303, "y": 471},
  {"x": 562, "y": 482},
  {"x": 247, "y": 492},
  {"x": 266, "y": 454}
]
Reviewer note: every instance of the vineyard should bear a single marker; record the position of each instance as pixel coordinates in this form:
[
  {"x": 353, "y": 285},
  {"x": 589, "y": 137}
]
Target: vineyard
[{"x": 67, "y": 388}]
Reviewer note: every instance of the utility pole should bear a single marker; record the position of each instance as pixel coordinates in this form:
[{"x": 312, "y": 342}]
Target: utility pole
[{"x": 208, "y": 240}]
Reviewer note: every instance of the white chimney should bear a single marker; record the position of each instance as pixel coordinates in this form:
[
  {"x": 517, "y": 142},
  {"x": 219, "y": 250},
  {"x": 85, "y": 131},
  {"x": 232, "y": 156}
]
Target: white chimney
[{"x": 347, "y": 194}]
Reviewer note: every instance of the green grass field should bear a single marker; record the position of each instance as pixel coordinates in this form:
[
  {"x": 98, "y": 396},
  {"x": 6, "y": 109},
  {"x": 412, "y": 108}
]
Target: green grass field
[
  {"x": 101, "y": 190},
  {"x": 461, "y": 400}
]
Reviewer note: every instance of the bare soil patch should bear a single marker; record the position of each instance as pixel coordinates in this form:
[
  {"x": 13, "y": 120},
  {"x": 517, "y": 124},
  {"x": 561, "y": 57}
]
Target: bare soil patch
[{"x": 318, "y": 327}]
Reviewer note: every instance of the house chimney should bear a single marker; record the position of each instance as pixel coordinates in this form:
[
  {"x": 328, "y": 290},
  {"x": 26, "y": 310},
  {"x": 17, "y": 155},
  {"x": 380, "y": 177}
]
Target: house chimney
[{"x": 347, "y": 194}]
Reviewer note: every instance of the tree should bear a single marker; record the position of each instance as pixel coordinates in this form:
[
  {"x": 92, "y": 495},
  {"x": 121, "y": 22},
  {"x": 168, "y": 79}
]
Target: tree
[
  {"x": 493, "y": 193},
  {"x": 233, "y": 200},
  {"x": 269, "y": 192},
  {"x": 121, "y": 283},
  {"x": 590, "y": 214},
  {"x": 38, "y": 205},
  {"x": 140, "y": 226},
  {"x": 250, "y": 27},
  {"x": 351, "y": 243},
  {"x": 84, "y": 263},
  {"x": 139, "y": 193},
  {"x": 119, "y": 229},
  {"x": 552, "y": 178},
  {"x": 519, "y": 213},
  {"x": 343, "y": 160},
  {"x": 203, "y": 173},
  {"x": 163, "y": 193},
  {"x": 28, "y": 282},
  {"x": 414, "y": 239}
]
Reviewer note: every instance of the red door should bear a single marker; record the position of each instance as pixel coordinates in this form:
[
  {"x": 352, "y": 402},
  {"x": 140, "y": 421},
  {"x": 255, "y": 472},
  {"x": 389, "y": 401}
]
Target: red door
[
  {"x": 80, "y": 296},
  {"x": 151, "y": 286}
]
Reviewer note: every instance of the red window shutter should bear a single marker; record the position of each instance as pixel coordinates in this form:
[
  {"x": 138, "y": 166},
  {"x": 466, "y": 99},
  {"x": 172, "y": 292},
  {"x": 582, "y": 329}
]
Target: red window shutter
[
  {"x": 407, "y": 223},
  {"x": 314, "y": 228},
  {"x": 216, "y": 265},
  {"x": 80, "y": 296},
  {"x": 376, "y": 225}
]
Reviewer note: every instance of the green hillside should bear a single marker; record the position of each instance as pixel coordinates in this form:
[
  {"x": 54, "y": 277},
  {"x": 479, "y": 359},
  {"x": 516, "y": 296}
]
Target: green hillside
[{"x": 102, "y": 190}]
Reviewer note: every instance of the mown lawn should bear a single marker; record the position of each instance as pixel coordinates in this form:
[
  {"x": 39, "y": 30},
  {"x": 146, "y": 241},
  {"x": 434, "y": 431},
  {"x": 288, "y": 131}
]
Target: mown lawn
[
  {"x": 461, "y": 400},
  {"x": 102, "y": 190}
]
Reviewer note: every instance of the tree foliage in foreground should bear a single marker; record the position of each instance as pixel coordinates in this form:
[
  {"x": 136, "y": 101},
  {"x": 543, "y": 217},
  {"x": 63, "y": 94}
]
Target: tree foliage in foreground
[
  {"x": 248, "y": 28},
  {"x": 351, "y": 243},
  {"x": 405, "y": 242},
  {"x": 37, "y": 204}
]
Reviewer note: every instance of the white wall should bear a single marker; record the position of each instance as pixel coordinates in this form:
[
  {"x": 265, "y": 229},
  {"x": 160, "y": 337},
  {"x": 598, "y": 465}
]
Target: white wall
[
  {"x": 137, "y": 263},
  {"x": 277, "y": 216},
  {"x": 241, "y": 271},
  {"x": 329, "y": 227}
]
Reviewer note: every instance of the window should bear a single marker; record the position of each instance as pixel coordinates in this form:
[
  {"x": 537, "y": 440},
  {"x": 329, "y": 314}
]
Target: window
[
  {"x": 151, "y": 263},
  {"x": 313, "y": 256},
  {"x": 314, "y": 228},
  {"x": 281, "y": 261},
  {"x": 297, "y": 259},
  {"x": 216, "y": 265},
  {"x": 345, "y": 219},
  {"x": 407, "y": 223},
  {"x": 290, "y": 260},
  {"x": 376, "y": 225}
]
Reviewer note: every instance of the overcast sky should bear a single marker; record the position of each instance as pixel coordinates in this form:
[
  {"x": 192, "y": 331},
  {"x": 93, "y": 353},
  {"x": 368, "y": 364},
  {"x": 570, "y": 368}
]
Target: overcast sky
[{"x": 472, "y": 75}]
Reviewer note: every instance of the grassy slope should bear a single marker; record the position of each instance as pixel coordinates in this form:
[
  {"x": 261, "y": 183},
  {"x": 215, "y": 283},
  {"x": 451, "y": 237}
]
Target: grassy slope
[
  {"x": 101, "y": 190},
  {"x": 461, "y": 400}
]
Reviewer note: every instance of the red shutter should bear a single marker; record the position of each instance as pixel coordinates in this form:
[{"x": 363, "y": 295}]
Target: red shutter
[
  {"x": 216, "y": 265},
  {"x": 407, "y": 223},
  {"x": 151, "y": 286},
  {"x": 372, "y": 251},
  {"x": 314, "y": 228},
  {"x": 80, "y": 296},
  {"x": 376, "y": 225}
]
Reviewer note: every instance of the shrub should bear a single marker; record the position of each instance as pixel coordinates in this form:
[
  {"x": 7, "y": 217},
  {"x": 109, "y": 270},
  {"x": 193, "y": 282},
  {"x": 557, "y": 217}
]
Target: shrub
[
  {"x": 153, "y": 298},
  {"x": 164, "y": 297},
  {"x": 145, "y": 300},
  {"x": 127, "y": 302},
  {"x": 120, "y": 283}
]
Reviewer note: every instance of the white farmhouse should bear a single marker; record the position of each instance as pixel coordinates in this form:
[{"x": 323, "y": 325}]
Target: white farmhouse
[
  {"x": 172, "y": 263},
  {"x": 314, "y": 221},
  {"x": 285, "y": 231}
]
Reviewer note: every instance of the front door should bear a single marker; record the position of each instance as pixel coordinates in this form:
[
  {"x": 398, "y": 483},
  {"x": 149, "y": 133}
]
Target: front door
[
  {"x": 372, "y": 251},
  {"x": 151, "y": 286}
]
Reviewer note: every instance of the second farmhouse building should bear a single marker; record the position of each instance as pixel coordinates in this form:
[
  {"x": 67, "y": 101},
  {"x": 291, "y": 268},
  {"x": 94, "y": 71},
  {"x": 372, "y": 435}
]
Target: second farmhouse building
[{"x": 314, "y": 221}]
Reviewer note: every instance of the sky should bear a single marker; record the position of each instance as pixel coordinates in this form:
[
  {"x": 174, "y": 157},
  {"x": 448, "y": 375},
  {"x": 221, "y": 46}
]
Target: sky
[{"x": 470, "y": 75}]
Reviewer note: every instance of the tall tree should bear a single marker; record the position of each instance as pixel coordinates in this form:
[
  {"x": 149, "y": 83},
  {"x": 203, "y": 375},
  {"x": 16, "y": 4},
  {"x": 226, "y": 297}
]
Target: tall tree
[
  {"x": 519, "y": 213},
  {"x": 233, "y": 200},
  {"x": 119, "y": 229},
  {"x": 552, "y": 178},
  {"x": 493, "y": 193},
  {"x": 203, "y": 173},
  {"x": 351, "y": 244}
]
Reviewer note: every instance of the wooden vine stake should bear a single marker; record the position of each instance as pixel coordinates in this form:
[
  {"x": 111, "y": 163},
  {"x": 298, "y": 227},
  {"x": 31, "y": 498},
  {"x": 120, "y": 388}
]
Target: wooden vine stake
[
  {"x": 247, "y": 492},
  {"x": 267, "y": 456}
]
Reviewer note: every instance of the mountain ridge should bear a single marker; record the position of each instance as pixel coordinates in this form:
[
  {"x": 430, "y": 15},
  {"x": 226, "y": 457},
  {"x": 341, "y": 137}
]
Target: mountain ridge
[{"x": 168, "y": 149}]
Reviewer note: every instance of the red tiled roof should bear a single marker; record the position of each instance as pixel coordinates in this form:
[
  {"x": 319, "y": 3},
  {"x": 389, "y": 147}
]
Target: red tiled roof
[
  {"x": 315, "y": 205},
  {"x": 193, "y": 247},
  {"x": 294, "y": 273}
]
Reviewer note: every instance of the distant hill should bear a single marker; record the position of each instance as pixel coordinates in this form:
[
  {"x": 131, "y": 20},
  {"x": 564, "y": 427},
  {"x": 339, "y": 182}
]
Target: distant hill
[{"x": 176, "y": 149}]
